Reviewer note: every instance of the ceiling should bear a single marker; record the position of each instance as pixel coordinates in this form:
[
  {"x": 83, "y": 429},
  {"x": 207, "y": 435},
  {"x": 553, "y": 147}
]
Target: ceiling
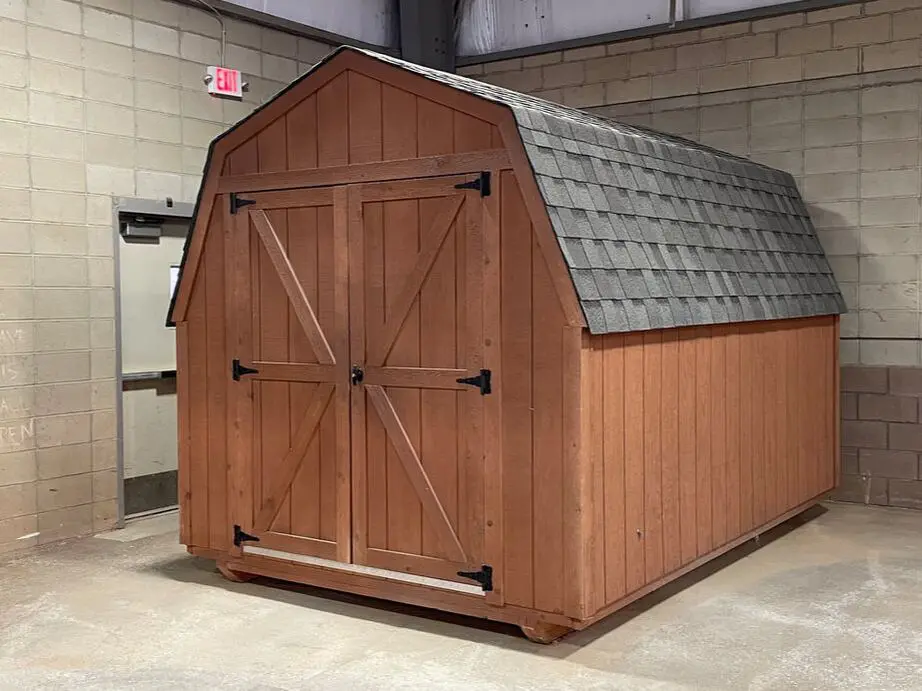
[{"x": 494, "y": 27}]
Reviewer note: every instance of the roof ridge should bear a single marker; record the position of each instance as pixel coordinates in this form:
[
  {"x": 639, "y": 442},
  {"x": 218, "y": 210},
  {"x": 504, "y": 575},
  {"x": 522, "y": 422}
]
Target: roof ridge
[{"x": 514, "y": 98}]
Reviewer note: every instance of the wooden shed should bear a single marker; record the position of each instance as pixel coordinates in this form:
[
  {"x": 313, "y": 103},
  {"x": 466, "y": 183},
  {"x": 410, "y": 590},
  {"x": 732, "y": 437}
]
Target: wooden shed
[{"x": 450, "y": 345}]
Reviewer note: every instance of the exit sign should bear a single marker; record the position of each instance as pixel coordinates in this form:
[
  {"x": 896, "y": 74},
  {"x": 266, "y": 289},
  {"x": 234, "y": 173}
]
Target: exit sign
[{"x": 225, "y": 82}]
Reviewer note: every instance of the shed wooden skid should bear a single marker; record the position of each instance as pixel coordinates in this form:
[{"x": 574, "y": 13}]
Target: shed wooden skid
[{"x": 346, "y": 249}]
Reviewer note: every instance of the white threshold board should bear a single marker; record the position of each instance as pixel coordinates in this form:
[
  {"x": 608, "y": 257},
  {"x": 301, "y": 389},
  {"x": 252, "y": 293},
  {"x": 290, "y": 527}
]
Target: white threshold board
[{"x": 440, "y": 583}]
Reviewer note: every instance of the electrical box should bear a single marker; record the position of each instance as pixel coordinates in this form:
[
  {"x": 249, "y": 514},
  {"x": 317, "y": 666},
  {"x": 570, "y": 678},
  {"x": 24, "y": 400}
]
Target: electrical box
[{"x": 141, "y": 228}]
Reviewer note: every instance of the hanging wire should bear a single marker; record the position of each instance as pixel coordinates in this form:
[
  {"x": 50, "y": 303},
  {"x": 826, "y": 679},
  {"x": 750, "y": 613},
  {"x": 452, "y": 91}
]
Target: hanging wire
[{"x": 223, "y": 28}]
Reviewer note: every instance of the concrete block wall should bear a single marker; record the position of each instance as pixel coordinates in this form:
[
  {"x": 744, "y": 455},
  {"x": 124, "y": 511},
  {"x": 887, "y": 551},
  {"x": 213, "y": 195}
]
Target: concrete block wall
[
  {"x": 98, "y": 98},
  {"x": 882, "y": 436},
  {"x": 835, "y": 97}
]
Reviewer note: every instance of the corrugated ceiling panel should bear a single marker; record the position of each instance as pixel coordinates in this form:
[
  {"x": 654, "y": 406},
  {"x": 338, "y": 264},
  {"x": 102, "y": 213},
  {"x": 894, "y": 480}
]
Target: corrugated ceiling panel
[
  {"x": 709, "y": 8},
  {"x": 493, "y": 26},
  {"x": 370, "y": 21}
]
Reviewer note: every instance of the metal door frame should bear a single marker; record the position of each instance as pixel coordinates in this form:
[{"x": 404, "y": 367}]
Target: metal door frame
[{"x": 168, "y": 210}]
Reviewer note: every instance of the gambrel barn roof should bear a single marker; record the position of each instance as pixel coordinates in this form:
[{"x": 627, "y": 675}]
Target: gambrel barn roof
[{"x": 657, "y": 231}]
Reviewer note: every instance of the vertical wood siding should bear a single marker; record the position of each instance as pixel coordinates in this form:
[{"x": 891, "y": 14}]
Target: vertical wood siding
[
  {"x": 357, "y": 119},
  {"x": 706, "y": 434},
  {"x": 202, "y": 394},
  {"x": 533, "y": 367}
]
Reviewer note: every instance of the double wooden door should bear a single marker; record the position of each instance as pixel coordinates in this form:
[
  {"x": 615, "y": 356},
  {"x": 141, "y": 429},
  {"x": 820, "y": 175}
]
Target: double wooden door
[{"x": 353, "y": 313}]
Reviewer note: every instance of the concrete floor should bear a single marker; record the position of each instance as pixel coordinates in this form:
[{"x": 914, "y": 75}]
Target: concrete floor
[{"x": 835, "y": 603}]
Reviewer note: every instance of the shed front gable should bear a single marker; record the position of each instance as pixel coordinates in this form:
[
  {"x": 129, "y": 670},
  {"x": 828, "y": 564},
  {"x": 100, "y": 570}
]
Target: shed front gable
[{"x": 356, "y": 119}]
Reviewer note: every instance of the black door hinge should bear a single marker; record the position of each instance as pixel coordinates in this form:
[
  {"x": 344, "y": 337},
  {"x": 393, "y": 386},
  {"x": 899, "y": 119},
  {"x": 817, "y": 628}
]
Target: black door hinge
[
  {"x": 482, "y": 381},
  {"x": 481, "y": 184},
  {"x": 238, "y": 370},
  {"x": 484, "y": 577},
  {"x": 240, "y": 536},
  {"x": 236, "y": 203}
]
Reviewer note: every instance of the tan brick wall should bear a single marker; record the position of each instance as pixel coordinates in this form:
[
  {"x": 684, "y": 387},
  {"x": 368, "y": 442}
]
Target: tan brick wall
[
  {"x": 97, "y": 98},
  {"x": 882, "y": 436}
]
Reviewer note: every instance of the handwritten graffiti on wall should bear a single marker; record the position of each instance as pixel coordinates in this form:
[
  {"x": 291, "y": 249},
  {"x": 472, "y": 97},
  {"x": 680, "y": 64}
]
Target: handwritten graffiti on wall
[
  {"x": 17, "y": 435},
  {"x": 17, "y": 429},
  {"x": 12, "y": 369},
  {"x": 11, "y": 339},
  {"x": 13, "y": 408},
  {"x": 9, "y": 371}
]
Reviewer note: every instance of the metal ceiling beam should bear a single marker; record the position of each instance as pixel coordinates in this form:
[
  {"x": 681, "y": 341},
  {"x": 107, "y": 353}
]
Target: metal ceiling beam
[{"x": 427, "y": 35}]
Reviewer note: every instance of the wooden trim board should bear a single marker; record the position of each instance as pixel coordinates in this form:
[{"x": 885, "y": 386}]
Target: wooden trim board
[
  {"x": 379, "y": 171},
  {"x": 493, "y": 545},
  {"x": 427, "y": 581},
  {"x": 575, "y": 469},
  {"x": 544, "y": 233},
  {"x": 373, "y": 586}
]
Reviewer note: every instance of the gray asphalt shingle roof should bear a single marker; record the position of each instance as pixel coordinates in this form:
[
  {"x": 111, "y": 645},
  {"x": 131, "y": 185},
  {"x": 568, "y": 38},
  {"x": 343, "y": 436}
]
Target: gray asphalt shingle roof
[
  {"x": 658, "y": 231},
  {"x": 661, "y": 232}
]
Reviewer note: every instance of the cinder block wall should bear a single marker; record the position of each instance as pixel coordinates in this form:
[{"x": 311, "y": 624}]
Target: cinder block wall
[
  {"x": 835, "y": 97},
  {"x": 99, "y": 98},
  {"x": 881, "y": 435}
]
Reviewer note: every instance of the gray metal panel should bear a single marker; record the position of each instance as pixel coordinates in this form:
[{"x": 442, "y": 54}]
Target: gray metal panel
[
  {"x": 427, "y": 32},
  {"x": 153, "y": 207}
]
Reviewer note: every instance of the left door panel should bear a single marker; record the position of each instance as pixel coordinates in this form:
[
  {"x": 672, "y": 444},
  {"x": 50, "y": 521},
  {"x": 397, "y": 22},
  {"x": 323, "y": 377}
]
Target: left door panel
[{"x": 288, "y": 333}]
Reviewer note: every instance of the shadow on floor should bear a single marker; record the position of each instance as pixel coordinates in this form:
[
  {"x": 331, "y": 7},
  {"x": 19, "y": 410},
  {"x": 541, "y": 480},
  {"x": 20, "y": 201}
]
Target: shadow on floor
[{"x": 192, "y": 569}]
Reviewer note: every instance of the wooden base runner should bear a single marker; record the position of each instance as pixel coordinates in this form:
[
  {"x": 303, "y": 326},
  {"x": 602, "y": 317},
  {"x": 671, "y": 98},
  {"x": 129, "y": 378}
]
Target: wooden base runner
[
  {"x": 543, "y": 632},
  {"x": 539, "y": 627},
  {"x": 235, "y": 576}
]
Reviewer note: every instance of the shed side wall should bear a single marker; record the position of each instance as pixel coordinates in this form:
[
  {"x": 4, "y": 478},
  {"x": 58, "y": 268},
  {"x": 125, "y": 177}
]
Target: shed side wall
[{"x": 699, "y": 436}]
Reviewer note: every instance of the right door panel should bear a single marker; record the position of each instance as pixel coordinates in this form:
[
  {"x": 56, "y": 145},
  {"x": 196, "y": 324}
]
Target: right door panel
[{"x": 416, "y": 322}]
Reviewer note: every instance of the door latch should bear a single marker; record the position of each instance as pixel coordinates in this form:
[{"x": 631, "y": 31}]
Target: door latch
[
  {"x": 238, "y": 370},
  {"x": 358, "y": 375},
  {"x": 482, "y": 381}
]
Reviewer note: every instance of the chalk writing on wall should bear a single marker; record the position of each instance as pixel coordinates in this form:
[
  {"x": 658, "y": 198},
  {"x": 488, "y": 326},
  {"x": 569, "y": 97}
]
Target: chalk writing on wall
[
  {"x": 16, "y": 435},
  {"x": 17, "y": 426},
  {"x": 12, "y": 370},
  {"x": 12, "y": 408},
  {"x": 11, "y": 338}
]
